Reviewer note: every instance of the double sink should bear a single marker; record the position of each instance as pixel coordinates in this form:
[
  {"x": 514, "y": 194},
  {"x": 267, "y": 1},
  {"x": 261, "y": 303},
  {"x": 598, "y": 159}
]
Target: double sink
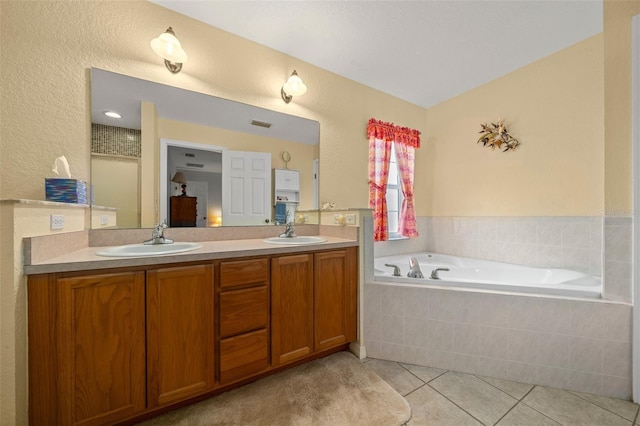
[{"x": 137, "y": 250}]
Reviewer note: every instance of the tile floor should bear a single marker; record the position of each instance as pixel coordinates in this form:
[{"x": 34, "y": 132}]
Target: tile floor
[{"x": 442, "y": 398}]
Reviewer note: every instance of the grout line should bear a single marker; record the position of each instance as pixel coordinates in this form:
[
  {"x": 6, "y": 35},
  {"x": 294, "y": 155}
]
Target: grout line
[
  {"x": 635, "y": 418},
  {"x": 419, "y": 387},
  {"x": 462, "y": 409},
  {"x": 537, "y": 411},
  {"x": 490, "y": 384},
  {"x": 419, "y": 378},
  {"x": 598, "y": 405}
]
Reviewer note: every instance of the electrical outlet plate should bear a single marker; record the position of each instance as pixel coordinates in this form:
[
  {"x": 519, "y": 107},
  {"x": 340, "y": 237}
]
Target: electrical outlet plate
[
  {"x": 56, "y": 221},
  {"x": 351, "y": 219},
  {"x": 104, "y": 219}
]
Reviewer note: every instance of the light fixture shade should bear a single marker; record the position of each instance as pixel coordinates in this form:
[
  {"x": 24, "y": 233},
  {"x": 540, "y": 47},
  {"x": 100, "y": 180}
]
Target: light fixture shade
[
  {"x": 179, "y": 178},
  {"x": 294, "y": 85},
  {"x": 167, "y": 46}
]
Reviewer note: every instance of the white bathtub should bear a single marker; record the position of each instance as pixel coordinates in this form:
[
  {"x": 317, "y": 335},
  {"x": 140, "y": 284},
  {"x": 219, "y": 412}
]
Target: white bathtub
[{"x": 466, "y": 272}]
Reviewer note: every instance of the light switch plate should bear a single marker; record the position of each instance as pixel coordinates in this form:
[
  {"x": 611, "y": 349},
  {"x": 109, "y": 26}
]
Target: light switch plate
[{"x": 104, "y": 219}]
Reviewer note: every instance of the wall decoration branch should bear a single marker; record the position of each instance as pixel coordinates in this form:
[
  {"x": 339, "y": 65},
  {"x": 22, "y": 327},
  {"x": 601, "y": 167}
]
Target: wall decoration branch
[{"x": 496, "y": 135}]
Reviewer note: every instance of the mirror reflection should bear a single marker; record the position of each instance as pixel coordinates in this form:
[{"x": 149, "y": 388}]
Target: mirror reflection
[{"x": 195, "y": 159}]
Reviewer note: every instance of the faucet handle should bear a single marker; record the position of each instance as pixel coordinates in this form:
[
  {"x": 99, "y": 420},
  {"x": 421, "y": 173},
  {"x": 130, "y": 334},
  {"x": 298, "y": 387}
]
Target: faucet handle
[{"x": 396, "y": 269}]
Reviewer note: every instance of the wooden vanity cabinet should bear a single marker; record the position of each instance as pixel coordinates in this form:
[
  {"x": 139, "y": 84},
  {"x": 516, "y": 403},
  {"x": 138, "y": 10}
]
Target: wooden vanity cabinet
[
  {"x": 180, "y": 333},
  {"x": 86, "y": 348},
  {"x": 313, "y": 303},
  {"x": 335, "y": 294},
  {"x": 244, "y": 318},
  {"x": 107, "y": 347},
  {"x": 291, "y": 308}
]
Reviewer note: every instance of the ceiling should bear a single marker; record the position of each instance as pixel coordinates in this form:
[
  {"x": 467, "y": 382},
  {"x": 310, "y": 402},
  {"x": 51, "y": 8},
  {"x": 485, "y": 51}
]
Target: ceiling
[{"x": 424, "y": 52}]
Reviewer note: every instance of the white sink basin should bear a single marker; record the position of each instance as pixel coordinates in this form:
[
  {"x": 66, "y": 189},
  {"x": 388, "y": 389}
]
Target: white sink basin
[
  {"x": 295, "y": 240},
  {"x": 136, "y": 250}
]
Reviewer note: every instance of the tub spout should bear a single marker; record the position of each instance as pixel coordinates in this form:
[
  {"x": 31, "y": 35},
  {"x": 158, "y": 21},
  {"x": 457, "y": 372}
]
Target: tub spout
[
  {"x": 414, "y": 269},
  {"x": 434, "y": 273}
]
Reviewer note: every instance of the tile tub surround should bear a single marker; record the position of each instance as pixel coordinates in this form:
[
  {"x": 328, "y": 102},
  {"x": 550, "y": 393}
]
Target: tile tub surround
[
  {"x": 571, "y": 344},
  {"x": 618, "y": 258},
  {"x": 555, "y": 242},
  {"x": 599, "y": 246}
]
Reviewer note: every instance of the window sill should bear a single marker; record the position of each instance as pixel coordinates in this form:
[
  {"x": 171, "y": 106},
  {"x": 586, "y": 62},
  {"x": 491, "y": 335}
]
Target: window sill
[{"x": 397, "y": 238}]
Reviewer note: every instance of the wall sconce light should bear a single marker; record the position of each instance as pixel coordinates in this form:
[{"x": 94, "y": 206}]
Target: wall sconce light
[
  {"x": 179, "y": 177},
  {"x": 293, "y": 87},
  {"x": 167, "y": 46}
]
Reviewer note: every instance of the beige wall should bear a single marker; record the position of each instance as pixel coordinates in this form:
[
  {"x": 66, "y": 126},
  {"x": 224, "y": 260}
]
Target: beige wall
[
  {"x": 49, "y": 85},
  {"x": 617, "y": 76},
  {"x": 555, "y": 108},
  {"x": 115, "y": 184},
  {"x": 302, "y": 155},
  {"x": 18, "y": 220},
  {"x": 48, "y": 48},
  {"x": 47, "y": 51}
]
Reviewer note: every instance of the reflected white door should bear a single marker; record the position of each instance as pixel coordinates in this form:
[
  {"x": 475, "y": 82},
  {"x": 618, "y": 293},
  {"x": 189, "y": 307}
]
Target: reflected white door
[
  {"x": 246, "y": 188},
  {"x": 200, "y": 190}
]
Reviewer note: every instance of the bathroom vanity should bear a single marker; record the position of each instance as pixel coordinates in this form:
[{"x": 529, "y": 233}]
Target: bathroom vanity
[{"x": 116, "y": 343}]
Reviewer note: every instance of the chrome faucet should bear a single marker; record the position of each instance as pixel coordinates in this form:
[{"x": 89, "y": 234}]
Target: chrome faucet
[
  {"x": 396, "y": 269},
  {"x": 414, "y": 269},
  {"x": 434, "y": 273},
  {"x": 157, "y": 237},
  {"x": 289, "y": 231}
]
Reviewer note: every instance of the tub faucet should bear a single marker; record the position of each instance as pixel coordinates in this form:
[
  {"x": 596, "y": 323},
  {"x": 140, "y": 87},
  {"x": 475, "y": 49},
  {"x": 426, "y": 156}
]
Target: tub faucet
[
  {"x": 396, "y": 269},
  {"x": 434, "y": 273},
  {"x": 414, "y": 269},
  {"x": 157, "y": 237},
  {"x": 289, "y": 231}
]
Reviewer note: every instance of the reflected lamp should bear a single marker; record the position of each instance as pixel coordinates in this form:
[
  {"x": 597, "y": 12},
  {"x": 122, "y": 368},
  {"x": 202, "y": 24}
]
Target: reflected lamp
[{"x": 180, "y": 178}]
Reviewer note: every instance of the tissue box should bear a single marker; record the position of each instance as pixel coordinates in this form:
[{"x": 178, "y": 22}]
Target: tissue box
[{"x": 64, "y": 190}]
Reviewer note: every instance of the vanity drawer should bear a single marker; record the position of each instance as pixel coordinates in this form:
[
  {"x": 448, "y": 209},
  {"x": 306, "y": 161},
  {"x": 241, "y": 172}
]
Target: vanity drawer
[
  {"x": 243, "y": 310},
  {"x": 243, "y": 355},
  {"x": 244, "y": 272}
]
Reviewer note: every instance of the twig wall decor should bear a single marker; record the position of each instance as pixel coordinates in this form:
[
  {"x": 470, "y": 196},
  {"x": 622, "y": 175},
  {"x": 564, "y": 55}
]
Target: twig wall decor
[{"x": 495, "y": 135}]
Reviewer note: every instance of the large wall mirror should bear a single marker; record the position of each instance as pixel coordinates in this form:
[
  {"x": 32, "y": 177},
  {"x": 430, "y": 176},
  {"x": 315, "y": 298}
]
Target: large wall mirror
[{"x": 170, "y": 149}]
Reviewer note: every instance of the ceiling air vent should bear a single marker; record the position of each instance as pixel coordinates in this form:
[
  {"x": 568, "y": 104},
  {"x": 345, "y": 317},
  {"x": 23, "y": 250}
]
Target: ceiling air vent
[
  {"x": 195, "y": 165},
  {"x": 260, "y": 123}
]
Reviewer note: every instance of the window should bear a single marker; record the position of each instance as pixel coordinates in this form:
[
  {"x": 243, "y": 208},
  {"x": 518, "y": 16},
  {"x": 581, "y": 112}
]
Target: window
[
  {"x": 394, "y": 196},
  {"x": 391, "y": 164}
]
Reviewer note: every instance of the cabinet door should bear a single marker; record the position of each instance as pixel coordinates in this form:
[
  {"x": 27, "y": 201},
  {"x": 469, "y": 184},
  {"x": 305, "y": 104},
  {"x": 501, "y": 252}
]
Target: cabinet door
[
  {"x": 293, "y": 180},
  {"x": 288, "y": 180},
  {"x": 333, "y": 285},
  {"x": 101, "y": 352},
  {"x": 180, "y": 333},
  {"x": 291, "y": 308}
]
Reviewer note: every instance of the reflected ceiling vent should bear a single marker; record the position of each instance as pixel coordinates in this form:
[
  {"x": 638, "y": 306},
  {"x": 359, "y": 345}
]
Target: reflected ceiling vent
[
  {"x": 195, "y": 165},
  {"x": 260, "y": 123},
  {"x": 188, "y": 154}
]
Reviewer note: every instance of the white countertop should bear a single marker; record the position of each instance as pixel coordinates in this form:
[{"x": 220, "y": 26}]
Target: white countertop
[{"x": 87, "y": 259}]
